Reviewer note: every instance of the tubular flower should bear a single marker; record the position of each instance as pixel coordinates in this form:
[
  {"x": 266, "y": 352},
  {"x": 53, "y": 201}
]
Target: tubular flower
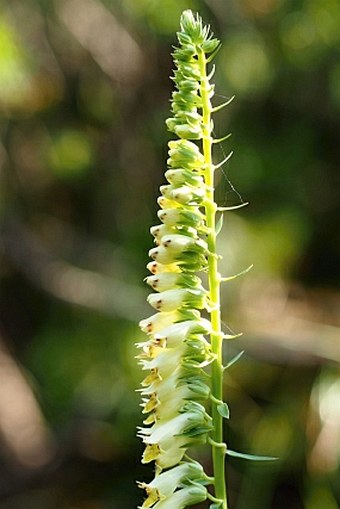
[
  {"x": 175, "y": 391},
  {"x": 165, "y": 484}
]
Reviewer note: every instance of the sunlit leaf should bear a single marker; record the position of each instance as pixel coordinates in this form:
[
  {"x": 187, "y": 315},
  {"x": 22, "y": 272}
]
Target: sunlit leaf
[
  {"x": 219, "y": 225},
  {"x": 223, "y": 410},
  {"x": 234, "y": 359},
  {"x": 251, "y": 457}
]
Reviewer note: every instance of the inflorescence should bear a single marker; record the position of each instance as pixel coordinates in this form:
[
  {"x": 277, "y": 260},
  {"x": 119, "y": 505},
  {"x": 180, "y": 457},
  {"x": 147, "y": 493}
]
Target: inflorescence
[{"x": 176, "y": 388}]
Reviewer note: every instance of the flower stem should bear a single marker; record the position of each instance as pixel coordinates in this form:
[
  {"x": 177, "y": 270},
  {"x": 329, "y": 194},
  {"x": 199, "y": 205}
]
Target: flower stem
[{"x": 218, "y": 453}]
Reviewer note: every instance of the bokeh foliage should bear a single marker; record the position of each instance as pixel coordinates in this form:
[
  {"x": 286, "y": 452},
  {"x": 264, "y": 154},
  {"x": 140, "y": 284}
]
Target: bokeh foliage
[{"x": 84, "y": 94}]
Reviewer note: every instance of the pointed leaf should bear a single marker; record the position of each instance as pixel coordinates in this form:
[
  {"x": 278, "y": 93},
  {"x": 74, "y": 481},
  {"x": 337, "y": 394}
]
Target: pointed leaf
[
  {"x": 223, "y": 105},
  {"x": 213, "y": 54},
  {"x": 219, "y": 225},
  {"x": 219, "y": 140},
  {"x": 233, "y": 207},
  {"x": 234, "y": 359},
  {"x": 230, "y": 278},
  {"x": 216, "y": 505},
  {"x": 232, "y": 336},
  {"x": 251, "y": 457},
  {"x": 223, "y": 410},
  {"x": 219, "y": 165},
  {"x": 212, "y": 72}
]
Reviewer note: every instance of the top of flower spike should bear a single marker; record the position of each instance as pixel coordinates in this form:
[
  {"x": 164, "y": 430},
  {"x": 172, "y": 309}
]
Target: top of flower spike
[{"x": 193, "y": 30}]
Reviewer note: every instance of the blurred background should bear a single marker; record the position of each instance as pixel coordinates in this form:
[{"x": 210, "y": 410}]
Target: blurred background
[{"x": 84, "y": 92}]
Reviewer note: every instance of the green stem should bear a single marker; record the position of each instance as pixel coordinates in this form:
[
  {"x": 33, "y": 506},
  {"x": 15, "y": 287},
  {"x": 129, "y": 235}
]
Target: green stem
[{"x": 218, "y": 453}]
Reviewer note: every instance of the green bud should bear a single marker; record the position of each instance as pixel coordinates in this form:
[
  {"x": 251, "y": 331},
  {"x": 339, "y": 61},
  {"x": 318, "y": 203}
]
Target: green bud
[
  {"x": 210, "y": 45},
  {"x": 193, "y": 27},
  {"x": 189, "y": 85},
  {"x": 188, "y": 132},
  {"x": 184, "y": 152},
  {"x": 180, "y": 176},
  {"x": 183, "y": 38},
  {"x": 188, "y": 70},
  {"x": 184, "y": 53}
]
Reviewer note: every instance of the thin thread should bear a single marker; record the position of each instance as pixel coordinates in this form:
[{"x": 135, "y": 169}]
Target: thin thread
[{"x": 231, "y": 185}]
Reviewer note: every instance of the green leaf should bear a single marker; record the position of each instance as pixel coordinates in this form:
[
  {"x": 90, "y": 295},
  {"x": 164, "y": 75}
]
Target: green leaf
[
  {"x": 223, "y": 410},
  {"x": 233, "y": 207},
  {"x": 219, "y": 225},
  {"x": 213, "y": 54},
  {"x": 219, "y": 140},
  {"x": 251, "y": 457},
  {"x": 230, "y": 278},
  {"x": 234, "y": 359},
  {"x": 223, "y": 105},
  {"x": 232, "y": 336},
  {"x": 219, "y": 165},
  {"x": 216, "y": 505}
]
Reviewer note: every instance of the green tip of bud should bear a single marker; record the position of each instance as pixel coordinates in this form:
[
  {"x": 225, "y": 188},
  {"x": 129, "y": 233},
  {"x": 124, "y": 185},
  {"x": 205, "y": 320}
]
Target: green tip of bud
[
  {"x": 194, "y": 31},
  {"x": 187, "y": 21},
  {"x": 193, "y": 26}
]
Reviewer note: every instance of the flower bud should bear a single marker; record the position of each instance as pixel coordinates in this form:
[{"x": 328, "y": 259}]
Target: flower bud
[
  {"x": 161, "y": 229},
  {"x": 180, "y": 176},
  {"x": 189, "y": 85},
  {"x": 183, "y": 38},
  {"x": 189, "y": 70},
  {"x": 170, "y": 300},
  {"x": 168, "y": 280},
  {"x": 184, "y": 152},
  {"x": 163, "y": 255},
  {"x": 187, "y": 131},
  {"x": 165, "y": 203},
  {"x": 158, "y": 268},
  {"x": 177, "y": 216},
  {"x": 183, "y": 194},
  {"x": 160, "y": 321},
  {"x": 181, "y": 243},
  {"x": 210, "y": 45},
  {"x": 185, "y": 52},
  {"x": 187, "y": 195}
]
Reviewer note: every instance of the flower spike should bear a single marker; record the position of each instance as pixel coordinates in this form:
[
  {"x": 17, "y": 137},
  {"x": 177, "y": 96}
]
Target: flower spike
[{"x": 176, "y": 390}]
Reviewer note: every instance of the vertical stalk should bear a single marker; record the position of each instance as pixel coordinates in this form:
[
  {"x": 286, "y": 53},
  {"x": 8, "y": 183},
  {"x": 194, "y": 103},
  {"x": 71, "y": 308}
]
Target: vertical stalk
[{"x": 218, "y": 451}]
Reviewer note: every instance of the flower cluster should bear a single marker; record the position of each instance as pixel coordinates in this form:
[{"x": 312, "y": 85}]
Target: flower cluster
[
  {"x": 186, "y": 100},
  {"x": 175, "y": 388}
]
